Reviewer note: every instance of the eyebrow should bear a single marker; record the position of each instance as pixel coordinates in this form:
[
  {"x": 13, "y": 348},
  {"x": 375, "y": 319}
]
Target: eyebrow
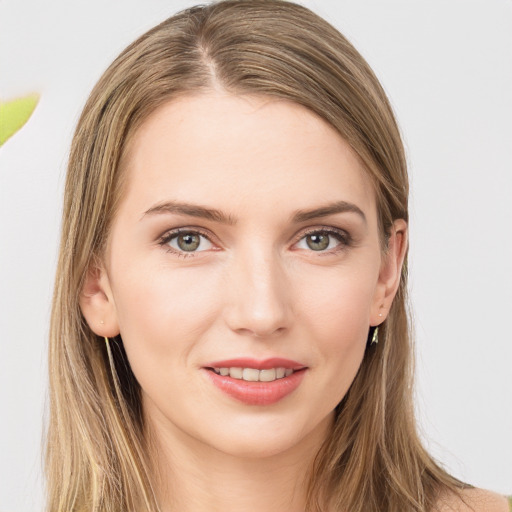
[
  {"x": 203, "y": 212},
  {"x": 328, "y": 209},
  {"x": 192, "y": 210}
]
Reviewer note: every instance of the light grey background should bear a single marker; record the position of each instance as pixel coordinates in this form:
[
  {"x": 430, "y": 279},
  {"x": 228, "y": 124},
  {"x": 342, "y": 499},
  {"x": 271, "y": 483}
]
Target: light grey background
[{"x": 446, "y": 65}]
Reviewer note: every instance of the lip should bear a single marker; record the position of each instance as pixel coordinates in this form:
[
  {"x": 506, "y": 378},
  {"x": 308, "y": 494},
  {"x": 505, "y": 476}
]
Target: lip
[
  {"x": 265, "y": 364},
  {"x": 257, "y": 393}
]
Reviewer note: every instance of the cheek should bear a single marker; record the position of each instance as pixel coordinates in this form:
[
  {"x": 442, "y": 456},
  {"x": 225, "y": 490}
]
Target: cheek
[
  {"x": 337, "y": 317},
  {"x": 163, "y": 312},
  {"x": 338, "y": 306}
]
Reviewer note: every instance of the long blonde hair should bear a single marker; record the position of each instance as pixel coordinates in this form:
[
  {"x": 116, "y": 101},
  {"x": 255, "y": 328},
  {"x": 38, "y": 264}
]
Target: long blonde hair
[{"x": 96, "y": 446}]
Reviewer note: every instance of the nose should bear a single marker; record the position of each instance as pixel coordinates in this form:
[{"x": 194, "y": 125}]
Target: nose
[{"x": 258, "y": 302}]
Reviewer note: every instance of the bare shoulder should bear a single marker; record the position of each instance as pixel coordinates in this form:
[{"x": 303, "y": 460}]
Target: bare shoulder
[{"x": 474, "y": 500}]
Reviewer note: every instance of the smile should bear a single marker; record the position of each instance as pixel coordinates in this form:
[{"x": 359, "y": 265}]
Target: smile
[
  {"x": 253, "y": 374},
  {"x": 254, "y": 382}
]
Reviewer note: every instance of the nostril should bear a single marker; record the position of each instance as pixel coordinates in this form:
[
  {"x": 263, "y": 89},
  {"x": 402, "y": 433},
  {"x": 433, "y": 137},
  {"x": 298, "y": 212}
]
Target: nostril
[{"x": 260, "y": 333}]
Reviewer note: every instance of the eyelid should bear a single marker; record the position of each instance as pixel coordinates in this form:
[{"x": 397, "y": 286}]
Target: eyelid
[{"x": 325, "y": 229}]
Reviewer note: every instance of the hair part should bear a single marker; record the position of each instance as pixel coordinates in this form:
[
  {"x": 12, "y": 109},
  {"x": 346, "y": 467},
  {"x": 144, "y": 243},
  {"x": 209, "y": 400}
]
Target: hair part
[{"x": 97, "y": 440}]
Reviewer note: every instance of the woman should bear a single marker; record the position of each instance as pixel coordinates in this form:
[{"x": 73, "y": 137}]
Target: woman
[{"x": 229, "y": 328}]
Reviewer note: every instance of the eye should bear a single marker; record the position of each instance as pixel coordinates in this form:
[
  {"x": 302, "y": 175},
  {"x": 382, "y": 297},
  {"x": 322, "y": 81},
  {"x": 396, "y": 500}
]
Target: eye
[
  {"x": 186, "y": 241},
  {"x": 323, "y": 240}
]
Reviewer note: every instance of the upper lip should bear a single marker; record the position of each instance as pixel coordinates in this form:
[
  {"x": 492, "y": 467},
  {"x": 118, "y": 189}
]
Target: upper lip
[{"x": 258, "y": 364}]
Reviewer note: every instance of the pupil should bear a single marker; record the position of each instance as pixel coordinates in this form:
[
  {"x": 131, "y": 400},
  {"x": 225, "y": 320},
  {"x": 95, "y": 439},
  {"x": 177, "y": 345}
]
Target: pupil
[
  {"x": 188, "y": 242},
  {"x": 317, "y": 242}
]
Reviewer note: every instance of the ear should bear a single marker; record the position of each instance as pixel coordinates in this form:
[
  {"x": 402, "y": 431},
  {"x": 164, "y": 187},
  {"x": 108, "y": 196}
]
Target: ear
[
  {"x": 390, "y": 272},
  {"x": 97, "y": 302}
]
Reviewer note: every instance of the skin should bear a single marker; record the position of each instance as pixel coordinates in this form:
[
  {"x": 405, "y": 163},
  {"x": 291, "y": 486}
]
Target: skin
[
  {"x": 253, "y": 288},
  {"x": 475, "y": 500}
]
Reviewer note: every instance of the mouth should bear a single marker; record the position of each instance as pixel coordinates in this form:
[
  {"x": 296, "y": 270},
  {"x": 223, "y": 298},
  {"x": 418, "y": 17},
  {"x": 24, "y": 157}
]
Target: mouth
[
  {"x": 255, "y": 382},
  {"x": 253, "y": 374}
]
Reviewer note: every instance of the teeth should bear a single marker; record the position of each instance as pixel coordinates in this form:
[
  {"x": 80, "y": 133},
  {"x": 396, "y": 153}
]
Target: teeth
[
  {"x": 250, "y": 374},
  {"x": 236, "y": 373},
  {"x": 267, "y": 375},
  {"x": 254, "y": 375}
]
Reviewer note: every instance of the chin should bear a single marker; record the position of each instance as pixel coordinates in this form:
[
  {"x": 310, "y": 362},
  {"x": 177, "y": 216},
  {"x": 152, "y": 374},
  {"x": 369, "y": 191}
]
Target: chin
[
  {"x": 258, "y": 447},
  {"x": 266, "y": 439}
]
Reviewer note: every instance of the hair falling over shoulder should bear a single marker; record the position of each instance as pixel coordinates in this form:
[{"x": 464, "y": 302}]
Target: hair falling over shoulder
[{"x": 97, "y": 442}]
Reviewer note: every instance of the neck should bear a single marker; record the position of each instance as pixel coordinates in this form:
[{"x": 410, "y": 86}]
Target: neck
[{"x": 195, "y": 477}]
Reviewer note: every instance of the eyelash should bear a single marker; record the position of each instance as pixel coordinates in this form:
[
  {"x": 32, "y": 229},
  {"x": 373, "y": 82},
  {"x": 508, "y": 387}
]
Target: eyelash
[
  {"x": 343, "y": 237},
  {"x": 170, "y": 235}
]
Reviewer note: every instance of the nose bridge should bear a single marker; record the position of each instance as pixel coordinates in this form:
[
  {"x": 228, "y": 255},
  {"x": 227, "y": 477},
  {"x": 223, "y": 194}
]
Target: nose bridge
[{"x": 259, "y": 303}]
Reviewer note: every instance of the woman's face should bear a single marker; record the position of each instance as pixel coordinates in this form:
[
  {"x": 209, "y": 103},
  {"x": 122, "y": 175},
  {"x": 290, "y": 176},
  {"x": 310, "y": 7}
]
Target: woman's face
[{"x": 245, "y": 248}]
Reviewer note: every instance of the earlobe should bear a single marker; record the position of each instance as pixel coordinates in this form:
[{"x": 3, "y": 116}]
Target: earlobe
[
  {"x": 390, "y": 272},
  {"x": 97, "y": 304}
]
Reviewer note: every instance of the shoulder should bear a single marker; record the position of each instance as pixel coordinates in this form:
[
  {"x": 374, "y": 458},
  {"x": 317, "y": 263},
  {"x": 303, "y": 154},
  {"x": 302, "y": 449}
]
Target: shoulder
[{"x": 474, "y": 500}]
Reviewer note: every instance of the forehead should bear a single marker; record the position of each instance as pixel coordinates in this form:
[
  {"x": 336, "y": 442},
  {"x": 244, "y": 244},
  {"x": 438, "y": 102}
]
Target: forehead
[{"x": 241, "y": 153}]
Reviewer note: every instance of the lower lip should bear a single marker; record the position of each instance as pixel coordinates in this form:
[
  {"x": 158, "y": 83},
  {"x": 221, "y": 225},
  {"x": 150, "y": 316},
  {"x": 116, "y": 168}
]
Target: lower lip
[{"x": 257, "y": 393}]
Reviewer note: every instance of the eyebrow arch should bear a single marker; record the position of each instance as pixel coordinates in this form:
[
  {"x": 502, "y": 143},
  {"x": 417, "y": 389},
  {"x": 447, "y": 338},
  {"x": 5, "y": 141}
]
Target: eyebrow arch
[
  {"x": 193, "y": 210},
  {"x": 329, "y": 209}
]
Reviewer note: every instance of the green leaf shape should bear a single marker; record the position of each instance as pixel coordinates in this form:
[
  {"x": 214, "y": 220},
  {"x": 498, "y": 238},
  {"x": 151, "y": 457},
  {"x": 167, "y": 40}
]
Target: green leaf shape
[{"x": 14, "y": 114}]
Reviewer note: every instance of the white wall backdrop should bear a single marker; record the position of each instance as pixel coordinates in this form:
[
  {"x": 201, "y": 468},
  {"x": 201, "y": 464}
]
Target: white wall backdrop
[{"x": 447, "y": 67}]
